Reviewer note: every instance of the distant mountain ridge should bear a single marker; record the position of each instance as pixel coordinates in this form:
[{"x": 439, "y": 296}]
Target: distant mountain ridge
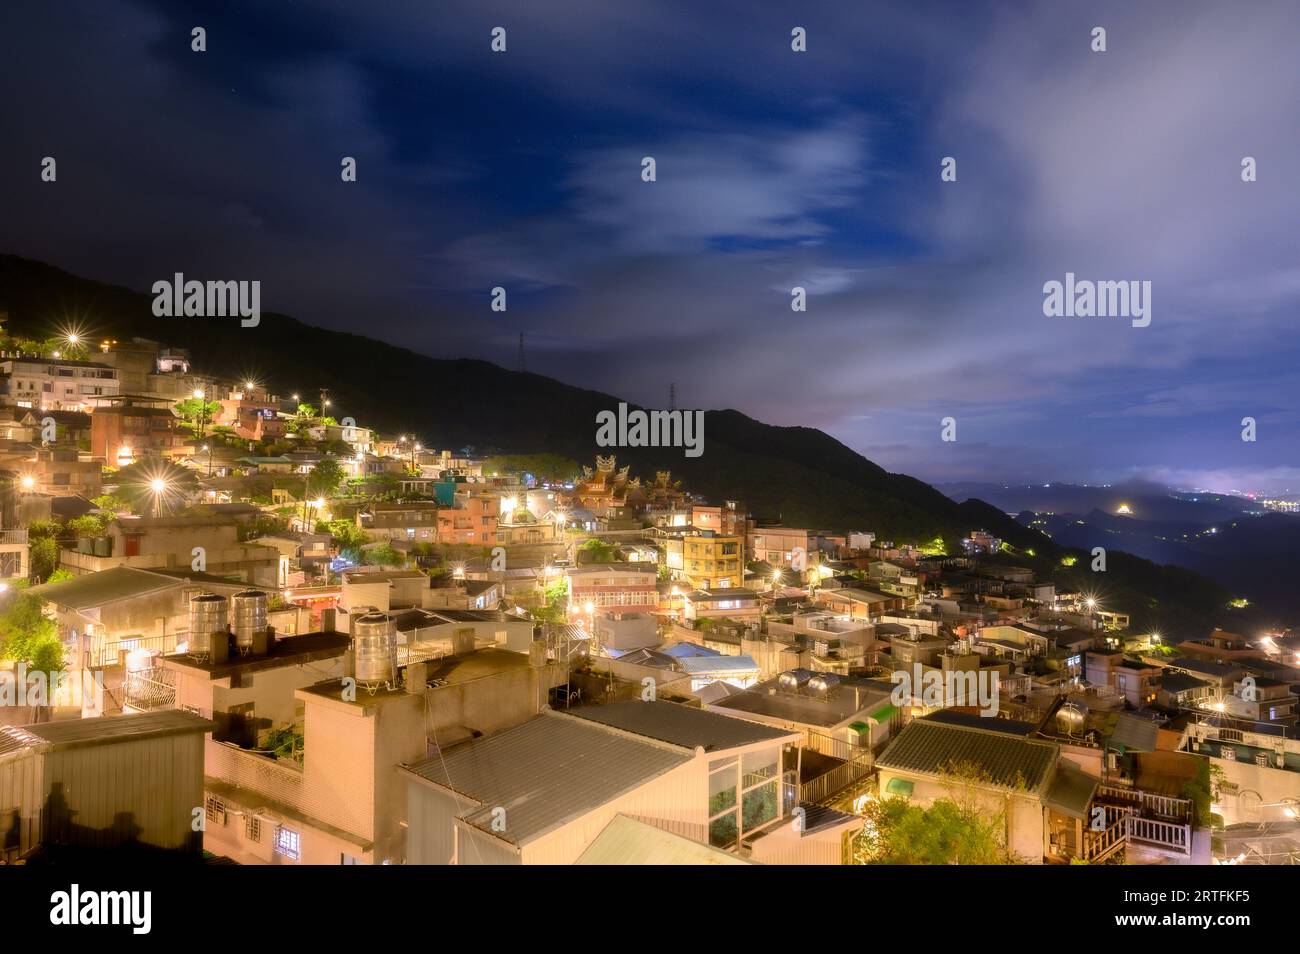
[{"x": 797, "y": 475}]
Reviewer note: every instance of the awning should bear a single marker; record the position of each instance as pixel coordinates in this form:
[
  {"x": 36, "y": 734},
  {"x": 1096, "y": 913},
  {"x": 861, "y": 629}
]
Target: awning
[
  {"x": 1071, "y": 791},
  {"x": 899, "y": 786}
]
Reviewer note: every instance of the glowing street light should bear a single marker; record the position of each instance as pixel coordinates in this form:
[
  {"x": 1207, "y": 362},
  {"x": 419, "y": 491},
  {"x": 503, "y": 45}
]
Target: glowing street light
[
  {"x": 27, "y": 482},
  {"x": 159, "y": 488}
]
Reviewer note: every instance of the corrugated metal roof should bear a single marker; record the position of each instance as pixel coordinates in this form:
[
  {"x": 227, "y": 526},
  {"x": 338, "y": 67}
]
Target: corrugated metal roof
[
  {"x": 934, "y": 748},
  {"x": 626, "y": 841},
  {"x": 107, "y": 586},
  {"x": 76, "y": 732},
  {"x": 699, "y": 664},
  {"x": 14, "y": 738},
  {"x": 679, "y": 725},
  {"x": 545, "y": 772}
]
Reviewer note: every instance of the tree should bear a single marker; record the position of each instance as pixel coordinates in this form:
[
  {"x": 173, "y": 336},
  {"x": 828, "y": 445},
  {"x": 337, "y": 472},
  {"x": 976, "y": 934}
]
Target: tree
[
  {"x": 325, "y": 478},
  {"x": 384, "y": 555},
  {"x": 555, "y": 606},
  {"x": 963, "y": 829},
  {"x": 196, "y": 413},
  {"x": 112, "y": 503},
  {"x": 27, "y": 636},
  {"x": 43, "y": 553},
  {"x": 87, "y": 525},
  {"x": 598, "y": 551}
]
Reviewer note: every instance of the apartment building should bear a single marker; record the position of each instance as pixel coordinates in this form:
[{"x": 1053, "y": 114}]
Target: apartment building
[{"x": 53, "y": 384}]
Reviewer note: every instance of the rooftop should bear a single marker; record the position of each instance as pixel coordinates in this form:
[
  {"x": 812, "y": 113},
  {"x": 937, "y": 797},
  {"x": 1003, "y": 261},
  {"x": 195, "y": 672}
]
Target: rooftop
[
  {"x": 768, "y": 699},
  {"x": 679, "y": 725},
  {"x": 934, "y": 748},
  {"x": 546, "y": 772},
  {"x": 289, "y": 651},
  {"x": 78, "y": 733},
  {"x": 626, "y": 841},
  {"x": 93, "y": 590}
]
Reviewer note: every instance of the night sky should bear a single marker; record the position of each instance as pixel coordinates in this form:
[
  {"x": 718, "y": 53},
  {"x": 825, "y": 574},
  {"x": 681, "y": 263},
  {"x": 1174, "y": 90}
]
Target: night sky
[{"x": 775, "y": 169}]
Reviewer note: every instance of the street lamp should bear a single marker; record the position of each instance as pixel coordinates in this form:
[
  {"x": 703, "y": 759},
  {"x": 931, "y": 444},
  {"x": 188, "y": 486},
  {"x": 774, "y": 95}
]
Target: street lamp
[
  {"x": 28, "y": 482},
  {"x": 159, "y": 487},
  {"x": 208, "y": 448}
]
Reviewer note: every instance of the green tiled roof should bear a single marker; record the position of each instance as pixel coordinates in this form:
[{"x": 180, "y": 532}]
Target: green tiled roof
[{"x": 933, "y": 748}]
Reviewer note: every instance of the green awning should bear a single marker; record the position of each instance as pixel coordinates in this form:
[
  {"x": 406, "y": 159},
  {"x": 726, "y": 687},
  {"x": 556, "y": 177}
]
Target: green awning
[
  {"x": 899, "y": 786},
  {"x": 885, "y": 712}
]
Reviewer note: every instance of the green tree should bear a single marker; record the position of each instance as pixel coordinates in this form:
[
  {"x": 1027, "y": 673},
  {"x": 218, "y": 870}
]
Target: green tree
[
  {"x": 28, "y": 636},
  {"x": 87, "y": 525},
  {"x": 325, "y": 478},
  {"x": 112, "y": 503},
  {"x": 43, "y": 553},
  {"x": 963, "y": 829},
  {"x": 383, "y": 555},
  {"x": 598, "y": 551},
  {"x": 554, "y": 608},
  {"x": 197, "y": 413}
]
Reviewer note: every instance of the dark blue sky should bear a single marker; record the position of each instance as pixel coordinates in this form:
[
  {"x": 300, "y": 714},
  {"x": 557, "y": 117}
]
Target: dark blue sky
[{"x": 775, "y": 169}]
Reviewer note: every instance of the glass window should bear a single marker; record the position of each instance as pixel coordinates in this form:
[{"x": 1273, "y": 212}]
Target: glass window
[
  {"x": 723, "y": 831},
  {"x": 759, "y": 806},
  {"x": 288, "y": 843},
  {"x": 759, "y": 766},
  {"x": 722, "y": 791}
]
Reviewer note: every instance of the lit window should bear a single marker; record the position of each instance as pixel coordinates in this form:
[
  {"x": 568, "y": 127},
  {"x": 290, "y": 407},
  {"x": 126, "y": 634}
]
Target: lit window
[{"x": 288, "y": 843}]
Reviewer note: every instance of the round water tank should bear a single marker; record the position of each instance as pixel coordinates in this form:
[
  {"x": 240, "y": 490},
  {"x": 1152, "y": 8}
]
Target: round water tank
[
  {"x": 208, "y": 618},
  {"x": 374, "y": 648},
  {"x": 248, "y": 607},
  {"x": 823, "y": 683},
  {"x": 793, "y": 680}
]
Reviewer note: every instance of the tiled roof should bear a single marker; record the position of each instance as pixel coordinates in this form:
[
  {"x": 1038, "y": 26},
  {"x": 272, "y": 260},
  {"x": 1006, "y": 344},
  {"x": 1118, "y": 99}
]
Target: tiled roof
[{"x": 933, "y": 748}]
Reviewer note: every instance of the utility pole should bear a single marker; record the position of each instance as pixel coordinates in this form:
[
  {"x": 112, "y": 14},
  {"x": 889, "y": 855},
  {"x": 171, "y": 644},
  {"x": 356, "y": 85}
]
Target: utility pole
[
  {"x": 519, "y": 364},
  {"x": 672, "y": 397}
]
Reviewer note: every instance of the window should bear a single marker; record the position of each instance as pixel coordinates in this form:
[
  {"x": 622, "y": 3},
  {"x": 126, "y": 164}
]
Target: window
[
  {"x": 253, "y": 828},
  {"x": 743, "y": 795},
  {"x": 214, "y": 809},
  {"x": 288, "y": 843}
]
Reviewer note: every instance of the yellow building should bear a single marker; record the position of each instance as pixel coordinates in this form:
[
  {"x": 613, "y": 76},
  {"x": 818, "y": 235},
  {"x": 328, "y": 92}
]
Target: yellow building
[{"x": 711, "y": 561}]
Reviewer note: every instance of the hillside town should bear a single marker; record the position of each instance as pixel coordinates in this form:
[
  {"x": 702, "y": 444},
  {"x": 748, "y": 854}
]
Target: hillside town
[{"x": 241, "y": 626}]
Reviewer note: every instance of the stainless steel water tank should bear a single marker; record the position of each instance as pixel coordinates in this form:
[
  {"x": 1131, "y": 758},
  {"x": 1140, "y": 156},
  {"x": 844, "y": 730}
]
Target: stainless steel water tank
[
  {"x": 823, "y": 684},
  {"x": 793, "y": 680},
  {"x": 248, "y": 609},
  {"x": 374, "y": 648},
  {"x": 208, "y": 618}
]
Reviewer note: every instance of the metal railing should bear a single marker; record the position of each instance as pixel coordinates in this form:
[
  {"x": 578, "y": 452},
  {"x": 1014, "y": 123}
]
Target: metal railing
[
  {"x": 150, "y": 689},
  {"x": 1148, "y": 803},
  {"x": 1162, "y": 834}
]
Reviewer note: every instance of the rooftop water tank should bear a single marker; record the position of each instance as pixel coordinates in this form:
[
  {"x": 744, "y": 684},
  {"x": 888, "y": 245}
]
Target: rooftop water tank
[
  {"x": 794, "y": 679},
  {"x": 374, "y": 648},
  {"x": 208, "y": 618},
  {"x": 248, "y": 607}
]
